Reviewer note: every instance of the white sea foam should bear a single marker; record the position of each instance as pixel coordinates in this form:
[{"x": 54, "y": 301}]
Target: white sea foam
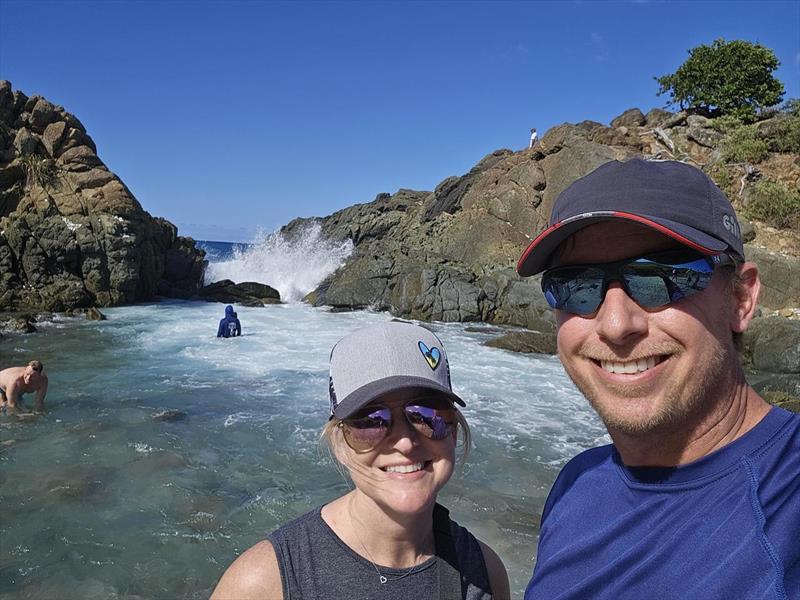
[
  {"x": 141, "y": 447},
  {"x": 293, "y": 267}
]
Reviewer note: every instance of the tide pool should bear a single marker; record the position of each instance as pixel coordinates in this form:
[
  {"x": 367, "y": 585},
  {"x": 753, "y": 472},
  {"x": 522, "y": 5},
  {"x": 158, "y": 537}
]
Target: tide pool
[{"x": 102, "y": 497}]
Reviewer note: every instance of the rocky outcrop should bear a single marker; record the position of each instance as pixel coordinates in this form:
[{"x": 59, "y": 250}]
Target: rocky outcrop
[
  {"x": 525, "y": 341},
  {"x": 449, "y": 254},
  {"x": 71, "y": 233},
  {"x": 780, "y": 277},
  {"x": 17, "y": 323},
  {"x": 771, "y": 353},
  {"x": 248, "y": 293}
]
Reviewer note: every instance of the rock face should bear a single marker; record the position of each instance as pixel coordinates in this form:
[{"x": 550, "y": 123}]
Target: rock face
[
  {"x": 449, "y": 254},
  {"x": 71, "y": 234},
  {"x": 771, "y": 353}
]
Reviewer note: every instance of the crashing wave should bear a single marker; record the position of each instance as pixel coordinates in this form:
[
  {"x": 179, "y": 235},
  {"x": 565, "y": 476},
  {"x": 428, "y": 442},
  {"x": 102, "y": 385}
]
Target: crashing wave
[{"x": 293, "y": 265}]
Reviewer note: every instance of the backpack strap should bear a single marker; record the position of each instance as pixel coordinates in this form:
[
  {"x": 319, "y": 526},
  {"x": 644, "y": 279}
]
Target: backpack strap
[{"x": 450, "y": 581}]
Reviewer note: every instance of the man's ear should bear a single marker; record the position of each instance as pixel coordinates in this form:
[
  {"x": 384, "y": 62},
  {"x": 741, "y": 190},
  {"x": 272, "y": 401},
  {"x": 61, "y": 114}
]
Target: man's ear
[{"x": 745, "y": 297}]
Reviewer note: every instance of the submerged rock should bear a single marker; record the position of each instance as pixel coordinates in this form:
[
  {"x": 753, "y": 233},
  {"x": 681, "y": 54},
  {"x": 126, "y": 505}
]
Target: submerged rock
[
  {"x": 169, "y": 415},
  {"x": 92, "y": 313},
  {"x": 525, "y": 341}
]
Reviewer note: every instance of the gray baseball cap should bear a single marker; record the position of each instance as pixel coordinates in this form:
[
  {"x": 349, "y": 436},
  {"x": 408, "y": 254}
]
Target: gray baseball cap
[{"x": 384, "y": 358}]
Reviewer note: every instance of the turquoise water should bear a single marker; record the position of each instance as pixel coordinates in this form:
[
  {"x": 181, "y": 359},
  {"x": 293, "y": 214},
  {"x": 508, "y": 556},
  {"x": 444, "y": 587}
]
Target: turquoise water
[{"x": 100, "y": 499}]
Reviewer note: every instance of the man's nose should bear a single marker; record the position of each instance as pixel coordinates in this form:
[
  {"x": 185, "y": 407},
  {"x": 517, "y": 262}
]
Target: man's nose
[{"x": 619, "y": 317}]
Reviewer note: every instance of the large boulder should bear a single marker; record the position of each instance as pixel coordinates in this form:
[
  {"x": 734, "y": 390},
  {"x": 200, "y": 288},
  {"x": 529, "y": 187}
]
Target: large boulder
[
  {"x": 780, "y": 277},
  {"x": 248, "y": 293},
  {"x": 773, "y": 344},
  {"x": 71, "y": 233},
  {"x": 771, "y": 354},
  {"x": 632, "y": 117}
]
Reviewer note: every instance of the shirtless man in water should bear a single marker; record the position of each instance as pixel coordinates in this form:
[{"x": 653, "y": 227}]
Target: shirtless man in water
[{"x": 16, "y": 381}]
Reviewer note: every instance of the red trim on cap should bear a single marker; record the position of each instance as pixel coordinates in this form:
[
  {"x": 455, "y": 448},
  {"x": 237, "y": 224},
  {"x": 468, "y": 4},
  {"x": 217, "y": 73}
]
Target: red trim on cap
[
  {"x": 620, "y": 215},
  {"x": 534, "y": 243}
]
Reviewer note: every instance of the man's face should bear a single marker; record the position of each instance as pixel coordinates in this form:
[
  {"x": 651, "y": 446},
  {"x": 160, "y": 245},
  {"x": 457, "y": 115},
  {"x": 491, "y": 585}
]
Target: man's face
[
  {"x": 646, "y": 370},
  {"x": 31, "y": 375}
]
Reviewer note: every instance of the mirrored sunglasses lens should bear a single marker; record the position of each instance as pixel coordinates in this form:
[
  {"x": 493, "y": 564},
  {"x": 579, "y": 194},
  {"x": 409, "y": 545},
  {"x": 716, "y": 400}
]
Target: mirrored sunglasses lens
[
  {"x": 651, "y": 288},
  {"x": 575, "y": 290},
  {"x": 652, "y": 284},
  {"x": 364, "y": 431},
  {"x": 433, "y": 422}
]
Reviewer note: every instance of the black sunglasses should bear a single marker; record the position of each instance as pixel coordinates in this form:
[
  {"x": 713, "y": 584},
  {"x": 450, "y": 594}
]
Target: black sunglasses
[{"x": 652, "y": 281}]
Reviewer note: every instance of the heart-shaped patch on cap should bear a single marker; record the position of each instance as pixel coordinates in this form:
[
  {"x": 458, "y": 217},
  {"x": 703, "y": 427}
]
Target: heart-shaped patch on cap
[{"x": 432, "y": 355}]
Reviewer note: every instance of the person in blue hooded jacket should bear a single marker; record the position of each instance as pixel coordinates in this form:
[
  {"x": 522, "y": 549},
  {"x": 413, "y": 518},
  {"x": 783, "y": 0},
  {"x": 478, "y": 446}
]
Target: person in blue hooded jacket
[{"x": 230, "y": 325}]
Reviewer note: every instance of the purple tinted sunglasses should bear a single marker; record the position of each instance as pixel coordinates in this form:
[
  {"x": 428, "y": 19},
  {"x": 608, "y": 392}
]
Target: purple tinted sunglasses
[{"x": 433, "y": 417}]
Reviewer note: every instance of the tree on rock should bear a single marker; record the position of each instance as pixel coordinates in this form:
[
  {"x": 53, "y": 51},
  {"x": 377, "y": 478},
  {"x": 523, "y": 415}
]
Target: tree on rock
[{"x": 725, "y": 78}]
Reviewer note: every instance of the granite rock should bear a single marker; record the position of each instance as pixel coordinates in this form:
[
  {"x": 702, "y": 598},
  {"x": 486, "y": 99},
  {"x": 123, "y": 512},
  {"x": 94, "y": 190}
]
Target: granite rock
[{"x": 71, "y": 233}]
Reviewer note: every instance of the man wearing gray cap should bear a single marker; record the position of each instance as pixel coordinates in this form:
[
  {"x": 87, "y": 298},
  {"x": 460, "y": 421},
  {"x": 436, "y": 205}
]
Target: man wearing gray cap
[
  {"x": 699, "y": 494},
  {"x": 393, "y": 426}
]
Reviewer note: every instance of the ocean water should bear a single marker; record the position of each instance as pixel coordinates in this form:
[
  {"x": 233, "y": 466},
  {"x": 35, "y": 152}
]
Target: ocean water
[{"x": 99, "y": 498}]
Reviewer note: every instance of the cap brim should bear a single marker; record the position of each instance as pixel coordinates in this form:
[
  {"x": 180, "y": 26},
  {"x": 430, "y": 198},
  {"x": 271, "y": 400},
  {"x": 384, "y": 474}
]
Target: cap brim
[
  {"x": 537, "y": 256},
  {"x": 375, "y": 389}
]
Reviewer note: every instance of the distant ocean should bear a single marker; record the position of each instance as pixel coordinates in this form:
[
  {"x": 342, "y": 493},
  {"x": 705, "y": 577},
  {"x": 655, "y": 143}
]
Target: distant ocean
[
  {"x": 104, "y": 498},
  {"x": 217, "y": 252}
]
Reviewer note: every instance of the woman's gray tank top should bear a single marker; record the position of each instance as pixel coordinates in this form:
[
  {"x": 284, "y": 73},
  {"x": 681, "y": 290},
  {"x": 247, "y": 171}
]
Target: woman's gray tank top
[{"x": 316, "y": 564}]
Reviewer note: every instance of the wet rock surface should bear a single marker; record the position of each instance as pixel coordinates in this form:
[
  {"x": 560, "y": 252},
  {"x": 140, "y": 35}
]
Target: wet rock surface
[{"x": 248, "y": 293}]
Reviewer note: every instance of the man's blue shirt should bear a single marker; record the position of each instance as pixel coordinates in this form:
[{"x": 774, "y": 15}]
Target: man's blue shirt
[{"x": 724, "y": 527}]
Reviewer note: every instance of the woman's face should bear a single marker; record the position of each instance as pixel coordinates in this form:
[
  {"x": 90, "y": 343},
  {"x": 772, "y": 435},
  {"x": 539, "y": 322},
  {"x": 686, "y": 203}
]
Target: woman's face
[{"x": 406, "y": 470}]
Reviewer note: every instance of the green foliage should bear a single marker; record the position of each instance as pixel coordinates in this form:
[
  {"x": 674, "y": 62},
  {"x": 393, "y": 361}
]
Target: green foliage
[
  {"x": 774, "y": 204},
  {"x": 726, "y": 123},
  {"x": 743, "y": 144},
  {"x": 785, "y": 135},
  {"x": 751, "y": 143},
  {"x": 726, "y": 78},
  {"x": 791, "y": 107},
  {"x": 38, "y": 170},
  {"x": 722, "y": 176}
]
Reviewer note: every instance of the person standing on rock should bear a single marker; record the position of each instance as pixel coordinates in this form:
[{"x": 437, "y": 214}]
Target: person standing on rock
[
  {"x": 698, "y": 496},
  {"x": 16, "y": 381},
  {"x": 229, "y": 326},
  {"x": 393, "y": 425},
  {"x": 533, "y": 138}
]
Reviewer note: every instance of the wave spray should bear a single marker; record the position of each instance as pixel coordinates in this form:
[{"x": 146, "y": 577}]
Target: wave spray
[{"x": 292, "y": 265}]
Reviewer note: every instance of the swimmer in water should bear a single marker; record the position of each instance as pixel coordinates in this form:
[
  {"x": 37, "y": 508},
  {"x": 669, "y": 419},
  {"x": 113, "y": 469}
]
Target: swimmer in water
[{"x": 16, "y": 381}]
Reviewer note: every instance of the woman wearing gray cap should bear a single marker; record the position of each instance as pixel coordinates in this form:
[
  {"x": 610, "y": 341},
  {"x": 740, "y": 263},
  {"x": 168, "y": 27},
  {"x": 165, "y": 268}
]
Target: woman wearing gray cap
[{"x": 393, "y": 426}]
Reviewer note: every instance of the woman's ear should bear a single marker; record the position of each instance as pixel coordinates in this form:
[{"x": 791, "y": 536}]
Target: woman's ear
[{"x": 746, "y": 289}]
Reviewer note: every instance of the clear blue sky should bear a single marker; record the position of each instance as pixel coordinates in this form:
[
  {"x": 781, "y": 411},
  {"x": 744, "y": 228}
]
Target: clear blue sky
[{"x": 227, "y": 116}]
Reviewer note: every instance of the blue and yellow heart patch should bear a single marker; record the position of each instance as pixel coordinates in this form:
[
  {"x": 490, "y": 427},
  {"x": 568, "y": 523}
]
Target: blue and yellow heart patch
[{"x": 432, "y": 355}]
